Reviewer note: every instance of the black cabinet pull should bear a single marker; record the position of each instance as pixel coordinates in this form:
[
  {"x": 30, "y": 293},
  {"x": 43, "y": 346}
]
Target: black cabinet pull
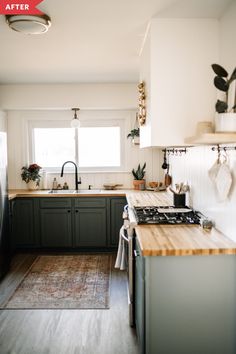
[
  {"x": 77, "y": 211},
  {"x": 68, "y": 211}
]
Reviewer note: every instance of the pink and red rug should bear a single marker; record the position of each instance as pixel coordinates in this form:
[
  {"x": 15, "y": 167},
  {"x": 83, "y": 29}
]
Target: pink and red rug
[{"x": 64, "y": 282}]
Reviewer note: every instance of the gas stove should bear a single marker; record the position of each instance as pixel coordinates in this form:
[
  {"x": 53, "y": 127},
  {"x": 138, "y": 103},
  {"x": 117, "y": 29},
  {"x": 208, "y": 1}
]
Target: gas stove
[{"x": 166, "y": 215}]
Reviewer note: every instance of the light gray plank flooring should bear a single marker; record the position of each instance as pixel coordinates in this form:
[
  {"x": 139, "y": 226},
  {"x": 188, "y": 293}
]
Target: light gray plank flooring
[{"x": 66, "y": 331}]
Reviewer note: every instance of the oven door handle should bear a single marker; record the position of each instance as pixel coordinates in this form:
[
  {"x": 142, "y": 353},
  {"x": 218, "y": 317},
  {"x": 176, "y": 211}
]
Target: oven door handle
[
  {"x": 136, "y": 253},
  {"x": 124, "y": 237}
]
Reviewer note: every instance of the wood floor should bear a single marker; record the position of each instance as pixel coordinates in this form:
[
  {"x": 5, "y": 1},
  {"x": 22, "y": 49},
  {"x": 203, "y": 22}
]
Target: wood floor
[{"x": 65, "y": 331}]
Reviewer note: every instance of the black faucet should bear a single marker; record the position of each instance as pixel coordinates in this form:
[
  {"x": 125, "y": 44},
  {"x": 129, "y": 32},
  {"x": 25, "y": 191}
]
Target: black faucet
[{"x": 77, "y": 181}]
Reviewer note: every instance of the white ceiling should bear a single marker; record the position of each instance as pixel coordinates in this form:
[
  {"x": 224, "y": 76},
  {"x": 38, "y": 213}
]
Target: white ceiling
[{"x": 90, "y": 41}]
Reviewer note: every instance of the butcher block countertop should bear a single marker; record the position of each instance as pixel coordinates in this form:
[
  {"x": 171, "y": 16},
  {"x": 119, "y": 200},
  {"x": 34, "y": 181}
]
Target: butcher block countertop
[
  {"x": 147, "y": 198},
  {"x": 17, "y": 193},
  {"x": 176, "y": 240},
  {"x": 182, "y": 240}
]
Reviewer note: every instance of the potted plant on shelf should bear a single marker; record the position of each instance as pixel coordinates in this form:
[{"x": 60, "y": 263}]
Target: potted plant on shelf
[
  {"x": 31, "y": 176},
  {"x": 139, "y": 181},
  {"x": 134, "y": 135},
  {"x": 225, "y": 120}
]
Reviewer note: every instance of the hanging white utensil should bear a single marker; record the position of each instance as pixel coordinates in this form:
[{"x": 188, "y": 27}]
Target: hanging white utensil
[{"x": 223, "y": 180}]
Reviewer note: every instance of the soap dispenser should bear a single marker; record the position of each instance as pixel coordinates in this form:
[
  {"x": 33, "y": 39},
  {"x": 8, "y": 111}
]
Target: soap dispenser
[{"x": 54, "y": 183}]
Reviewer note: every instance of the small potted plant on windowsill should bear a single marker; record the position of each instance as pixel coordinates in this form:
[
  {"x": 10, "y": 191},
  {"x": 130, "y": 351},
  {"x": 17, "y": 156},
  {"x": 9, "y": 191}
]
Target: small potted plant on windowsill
[
  {"x": 134, "y": 135},
  {"x": 139, "y": 181},
  {"x": 225, "y": 120},
  {"x": 31, "y": 176}
]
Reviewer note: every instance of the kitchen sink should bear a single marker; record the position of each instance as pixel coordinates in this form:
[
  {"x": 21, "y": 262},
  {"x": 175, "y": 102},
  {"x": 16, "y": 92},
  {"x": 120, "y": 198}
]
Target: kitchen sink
[
  {"x": 61, "y": 191},
  {"x": 72, "y": 191},
  {"x": 88, "y": 191}
]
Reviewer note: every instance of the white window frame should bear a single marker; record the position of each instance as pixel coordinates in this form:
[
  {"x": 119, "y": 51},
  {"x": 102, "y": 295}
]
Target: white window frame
[{"x": 90, "y": 123}]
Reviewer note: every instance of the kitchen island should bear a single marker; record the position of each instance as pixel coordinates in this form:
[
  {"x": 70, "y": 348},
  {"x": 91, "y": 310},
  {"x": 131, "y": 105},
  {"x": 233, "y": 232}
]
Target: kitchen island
[{"x": 185, "y": 286}]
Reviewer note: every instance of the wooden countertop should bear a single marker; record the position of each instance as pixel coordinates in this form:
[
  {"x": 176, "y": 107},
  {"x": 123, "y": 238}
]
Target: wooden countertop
[
  {"x": 182, "y": 240},
  {"x": 18, "y": 193},
  {"x": 176, "y": 240},
  {"x": 147, "y": 198}
]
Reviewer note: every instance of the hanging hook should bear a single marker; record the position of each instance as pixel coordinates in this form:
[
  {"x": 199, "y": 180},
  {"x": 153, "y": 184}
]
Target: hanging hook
[
  {"x": 219, "y": 154},
  {"x": 226, "y": 156}
]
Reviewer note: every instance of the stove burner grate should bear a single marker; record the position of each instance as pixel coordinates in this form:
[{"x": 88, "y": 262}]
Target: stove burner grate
[{"x": 166, "y": 215}]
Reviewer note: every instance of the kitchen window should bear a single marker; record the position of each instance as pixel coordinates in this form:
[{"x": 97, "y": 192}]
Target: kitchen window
[{"x": 95, "y": 146}]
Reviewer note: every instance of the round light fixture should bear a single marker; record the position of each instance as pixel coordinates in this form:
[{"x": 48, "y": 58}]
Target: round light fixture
[
  {"x": 29, "y": 24},
  {"x": 75, "y": 123}
]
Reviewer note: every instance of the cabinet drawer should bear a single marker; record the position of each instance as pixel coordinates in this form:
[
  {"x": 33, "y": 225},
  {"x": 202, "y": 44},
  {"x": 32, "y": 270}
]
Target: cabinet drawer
[
  {"x": 55, "y": 203},
  {"x": 90, "y": 202}
]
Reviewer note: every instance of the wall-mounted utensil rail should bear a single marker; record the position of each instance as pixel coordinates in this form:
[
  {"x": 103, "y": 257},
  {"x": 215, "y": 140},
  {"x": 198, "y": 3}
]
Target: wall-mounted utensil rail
[
  {"x": 219, "y": 148},
  {"x": 175, "y": 151}
]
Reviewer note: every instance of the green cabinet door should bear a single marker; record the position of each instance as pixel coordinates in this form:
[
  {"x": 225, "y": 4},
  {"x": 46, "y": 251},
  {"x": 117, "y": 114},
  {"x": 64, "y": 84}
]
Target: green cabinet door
[
  {"x": 116, "y": 211},
  {"x": 22, "y": 230},
  {"x": 56, "y": 230},
  {"x": 90, "y": 227}
]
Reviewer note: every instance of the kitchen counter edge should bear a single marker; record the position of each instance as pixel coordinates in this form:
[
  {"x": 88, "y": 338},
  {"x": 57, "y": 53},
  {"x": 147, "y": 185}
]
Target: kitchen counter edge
[{"x": 21, "y": 193}]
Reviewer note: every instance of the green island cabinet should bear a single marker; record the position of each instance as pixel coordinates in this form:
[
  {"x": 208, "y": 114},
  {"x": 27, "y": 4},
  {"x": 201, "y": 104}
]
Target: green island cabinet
[
  {"x": 64, "y": 222},
  {"x": 185, "y": 304}
]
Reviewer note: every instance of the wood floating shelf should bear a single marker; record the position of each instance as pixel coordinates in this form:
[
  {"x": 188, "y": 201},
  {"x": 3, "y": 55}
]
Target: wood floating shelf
[{"x": 212, "y": 139}]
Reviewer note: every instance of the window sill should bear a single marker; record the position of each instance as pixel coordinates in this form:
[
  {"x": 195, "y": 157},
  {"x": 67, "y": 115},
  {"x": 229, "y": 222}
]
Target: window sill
[{"x": 85, "y": 172}]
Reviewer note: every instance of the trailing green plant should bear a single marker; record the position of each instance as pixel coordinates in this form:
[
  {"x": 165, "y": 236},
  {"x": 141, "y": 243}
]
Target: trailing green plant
[
  {"x": 134, "y": 132},
  {"x": 222, "y": 83},
  {"x": 31, "y": 173},
  {"x": 139, "y": 173}
]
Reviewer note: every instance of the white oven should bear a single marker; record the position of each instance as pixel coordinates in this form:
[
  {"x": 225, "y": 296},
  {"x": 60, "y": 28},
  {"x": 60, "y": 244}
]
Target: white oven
[{"x": 127, "y": 234}]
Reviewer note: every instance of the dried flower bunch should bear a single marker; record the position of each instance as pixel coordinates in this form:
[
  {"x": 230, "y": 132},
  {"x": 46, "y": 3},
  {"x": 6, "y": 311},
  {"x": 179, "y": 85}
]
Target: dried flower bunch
[{"x": 31, "y": 173}]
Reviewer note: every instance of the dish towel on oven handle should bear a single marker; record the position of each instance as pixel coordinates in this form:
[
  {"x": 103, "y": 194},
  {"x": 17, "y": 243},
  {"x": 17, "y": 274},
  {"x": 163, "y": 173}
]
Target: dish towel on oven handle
[{"x": 121, "y": 254}]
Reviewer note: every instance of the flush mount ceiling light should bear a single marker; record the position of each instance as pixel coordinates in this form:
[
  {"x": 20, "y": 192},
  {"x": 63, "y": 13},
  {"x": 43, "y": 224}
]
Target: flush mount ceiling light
[
  {"x": 75, "y": 123},
  {"x": 29, "y": 24}
]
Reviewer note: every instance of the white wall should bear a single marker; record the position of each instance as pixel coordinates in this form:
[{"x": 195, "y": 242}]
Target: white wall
[
  {"x": 195, "y": 165},
  {"x": 227, "y": 38},
  {"x": 3, "y": 127},
  {"x": 227, "y": 44},
  {"x": 66, "y": 96}
]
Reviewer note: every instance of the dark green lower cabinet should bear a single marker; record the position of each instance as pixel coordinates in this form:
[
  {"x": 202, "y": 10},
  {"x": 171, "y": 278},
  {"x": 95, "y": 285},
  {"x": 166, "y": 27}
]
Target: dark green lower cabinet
[
  {"x": 66, "y": 222},
  {"x": 56, "y": 228},
  {"x": 23, "y": 232},
  {"x": 116, "y": 211},
  {"x": 90, "y": 227}
]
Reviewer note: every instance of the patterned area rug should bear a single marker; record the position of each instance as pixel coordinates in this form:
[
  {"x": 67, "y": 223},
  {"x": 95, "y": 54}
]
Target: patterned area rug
[{"x": 64, "y": 282}]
